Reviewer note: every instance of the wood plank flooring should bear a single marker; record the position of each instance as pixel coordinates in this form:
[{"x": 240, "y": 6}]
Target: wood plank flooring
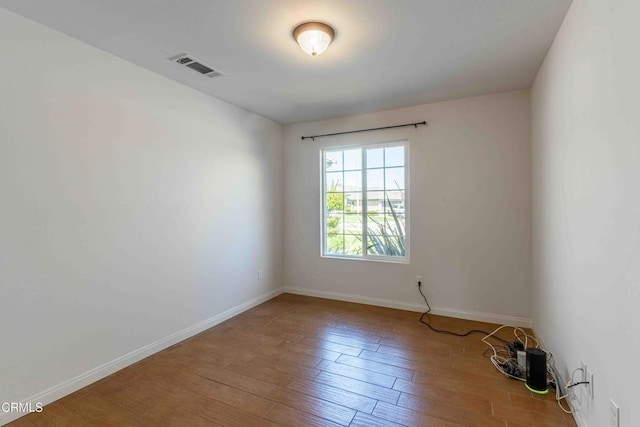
[{"x": 301, "y": 361}]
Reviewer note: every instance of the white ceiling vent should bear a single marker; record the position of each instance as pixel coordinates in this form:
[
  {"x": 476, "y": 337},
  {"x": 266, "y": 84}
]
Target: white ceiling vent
[{"x": 196, "y": 64}]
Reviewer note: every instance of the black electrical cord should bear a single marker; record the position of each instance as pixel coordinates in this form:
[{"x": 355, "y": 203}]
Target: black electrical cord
[
  {"x": 442, "y": 331},
  {"x": 575, "y": 384}
]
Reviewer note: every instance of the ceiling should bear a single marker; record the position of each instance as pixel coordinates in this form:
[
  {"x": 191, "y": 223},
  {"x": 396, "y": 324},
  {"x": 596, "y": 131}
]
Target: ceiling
[{"x": 386, "y": 54}]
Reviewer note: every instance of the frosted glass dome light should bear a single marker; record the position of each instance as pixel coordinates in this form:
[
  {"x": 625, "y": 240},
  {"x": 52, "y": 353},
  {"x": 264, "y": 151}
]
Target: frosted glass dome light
[{"x": 313, "y": 37}]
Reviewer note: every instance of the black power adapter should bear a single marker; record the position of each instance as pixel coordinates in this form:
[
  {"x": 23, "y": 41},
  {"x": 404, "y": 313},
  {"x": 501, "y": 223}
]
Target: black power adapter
[
  {"x": 510, "y": 367},
  {"x": 514, "y": 348}
]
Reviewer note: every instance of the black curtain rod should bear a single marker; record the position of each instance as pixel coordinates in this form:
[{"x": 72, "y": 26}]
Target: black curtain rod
[{"x": 313, "y": 137}]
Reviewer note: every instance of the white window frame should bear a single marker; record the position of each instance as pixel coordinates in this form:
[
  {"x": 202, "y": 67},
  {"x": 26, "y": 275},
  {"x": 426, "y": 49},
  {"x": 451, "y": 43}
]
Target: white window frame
[{"x": 323, "y": 214}]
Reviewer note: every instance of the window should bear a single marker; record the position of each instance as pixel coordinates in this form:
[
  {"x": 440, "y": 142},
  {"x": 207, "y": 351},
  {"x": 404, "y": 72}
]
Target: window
[{"x": 365, "y": 202}]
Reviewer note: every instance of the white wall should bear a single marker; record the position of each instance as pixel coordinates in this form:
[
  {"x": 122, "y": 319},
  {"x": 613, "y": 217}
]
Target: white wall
[
  {"x": 586, "y": 202},
  {"x": 470, "y": 209},
  {"x": 132, "y": 207}
]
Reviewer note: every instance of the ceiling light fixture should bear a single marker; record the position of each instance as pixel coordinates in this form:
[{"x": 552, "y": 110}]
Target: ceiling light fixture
[{"x": 313, "y": 37}]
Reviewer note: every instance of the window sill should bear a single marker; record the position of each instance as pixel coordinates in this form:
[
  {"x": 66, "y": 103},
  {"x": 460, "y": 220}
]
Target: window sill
[{"x": 383, "y": 260}]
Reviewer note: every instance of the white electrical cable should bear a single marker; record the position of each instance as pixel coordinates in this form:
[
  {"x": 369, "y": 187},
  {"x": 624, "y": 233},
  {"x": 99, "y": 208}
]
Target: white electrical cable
[
  {"x": 497, "y": 360},
  {"x": 524, "y": 338},
  {"x": 571, "y": 393}
]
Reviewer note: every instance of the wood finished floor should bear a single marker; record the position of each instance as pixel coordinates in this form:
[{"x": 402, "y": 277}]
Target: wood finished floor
[{"x": 301, "y": 361}]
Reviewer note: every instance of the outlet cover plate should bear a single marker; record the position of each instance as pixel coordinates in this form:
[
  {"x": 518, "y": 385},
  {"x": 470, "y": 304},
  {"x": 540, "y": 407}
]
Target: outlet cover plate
[
  {"x": 589, "y": 378},
  {"x": 614, "y": 414}
]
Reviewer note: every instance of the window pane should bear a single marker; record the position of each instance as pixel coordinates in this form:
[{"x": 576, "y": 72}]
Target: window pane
[
  {"x": 334, "y": 181},
  {"x": 353, "y": 181},
  {"x": 395, "y": 199},
  {"x": 353, "y": 202},
  {"x": 335, "y": 202},
  {"x": 335, "y": 244},
  {"x": 333, "y": 161},
  {"x": 375, "y": 179},
  {"x": 334, "y": 224},
  {"x": 376, "y": 245},
  {"x": 394, "y": 178},
  {"x": 388, "y": 244},
  {"x": 394, "y": 156},
  {"x": 394, "y": 224},
  {"x": 353, "y": 159},
  {"x": 353, "y": 245},
  {"x": 375, "y": 158},
  {"x": 375, "y": 202},
  {"x": 375, "y": 223},
  {"x": 352, "y": 224},
  {"x": 386, "y": 234},
  {"x": 394, "y": 244}
]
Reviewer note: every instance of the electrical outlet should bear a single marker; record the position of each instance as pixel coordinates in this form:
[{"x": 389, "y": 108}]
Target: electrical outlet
[
  {"x": 260, "y": 275},
  {"x": 614, "y": 414},
  {"x": 418, "y": 279},
  {"x": 589, "y": 378}
]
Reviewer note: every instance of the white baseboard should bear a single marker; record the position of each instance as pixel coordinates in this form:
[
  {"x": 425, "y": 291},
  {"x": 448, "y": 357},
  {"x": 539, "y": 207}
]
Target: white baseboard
[
  {"x": 578, "y": 418},
  {"x": 74, "y": 384},
  {"x": 500, "y": 319}
]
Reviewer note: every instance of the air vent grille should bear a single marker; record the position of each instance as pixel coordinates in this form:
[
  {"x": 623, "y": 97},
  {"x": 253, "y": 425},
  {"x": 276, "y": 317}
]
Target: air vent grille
[{"x": 196, "y": 65}]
